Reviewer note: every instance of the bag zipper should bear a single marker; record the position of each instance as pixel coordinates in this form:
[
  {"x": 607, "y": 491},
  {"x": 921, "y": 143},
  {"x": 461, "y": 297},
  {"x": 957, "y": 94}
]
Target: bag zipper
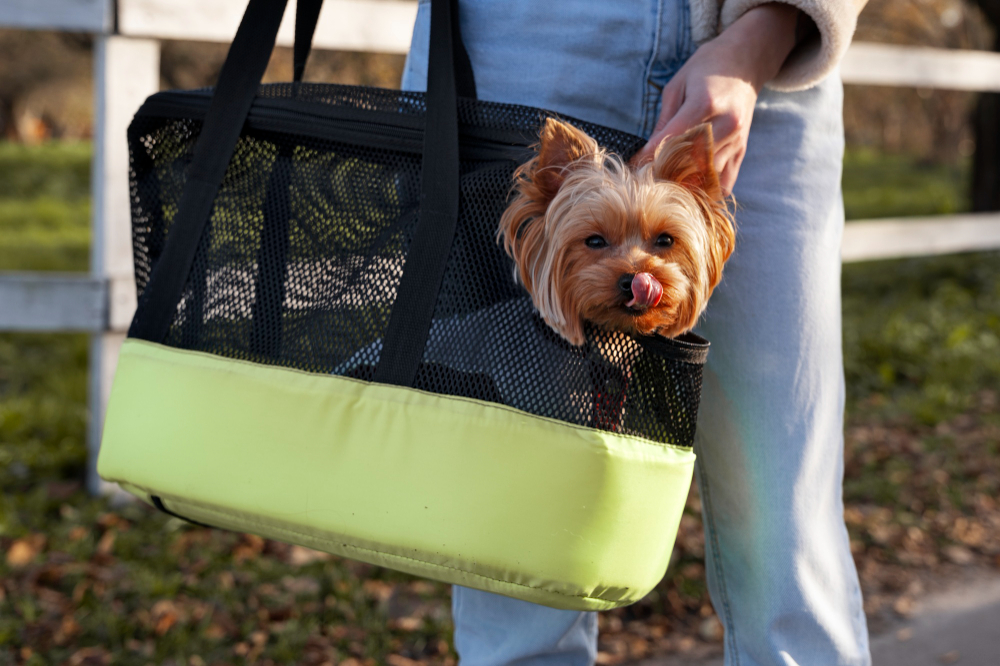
[{"x": 327, "y": 122}]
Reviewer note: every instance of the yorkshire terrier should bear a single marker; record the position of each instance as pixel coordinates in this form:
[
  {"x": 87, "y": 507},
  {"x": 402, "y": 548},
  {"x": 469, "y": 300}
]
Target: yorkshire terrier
[{"x": 636, "y": 249}]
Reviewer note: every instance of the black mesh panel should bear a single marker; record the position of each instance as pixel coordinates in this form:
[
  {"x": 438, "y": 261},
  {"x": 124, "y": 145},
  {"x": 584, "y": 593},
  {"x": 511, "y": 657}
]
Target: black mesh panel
[{"x": 301, "y": 259}]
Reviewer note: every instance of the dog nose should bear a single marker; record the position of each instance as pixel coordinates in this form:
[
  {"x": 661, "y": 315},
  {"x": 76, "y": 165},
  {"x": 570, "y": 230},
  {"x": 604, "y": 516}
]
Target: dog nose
[{"x": 625, "y": 283}]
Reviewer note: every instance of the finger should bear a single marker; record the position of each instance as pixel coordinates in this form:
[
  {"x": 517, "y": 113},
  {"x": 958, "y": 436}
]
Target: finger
[
  {"x": 687, "y": 116},
  {"x": 730, "y": 172},
  {"x": 672, "y": 98}
]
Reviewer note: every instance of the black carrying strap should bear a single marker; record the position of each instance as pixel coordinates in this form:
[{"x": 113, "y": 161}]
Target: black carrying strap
[
  {"x": 306, "y": 15},
  {"x": 416, "y": 296},
  {"x": 234, "y": 94}
]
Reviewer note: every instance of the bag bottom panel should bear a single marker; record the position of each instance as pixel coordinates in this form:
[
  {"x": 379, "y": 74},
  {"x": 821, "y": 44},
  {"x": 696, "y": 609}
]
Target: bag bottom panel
[{"x": 457, "y": 490}]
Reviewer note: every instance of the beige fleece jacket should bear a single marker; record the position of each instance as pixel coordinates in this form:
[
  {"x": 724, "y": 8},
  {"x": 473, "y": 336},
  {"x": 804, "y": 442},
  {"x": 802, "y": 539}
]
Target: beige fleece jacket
[{"x": 813, "y": 58}]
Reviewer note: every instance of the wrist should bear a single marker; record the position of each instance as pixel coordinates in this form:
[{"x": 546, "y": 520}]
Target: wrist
[{"x": 763, "y": 38}]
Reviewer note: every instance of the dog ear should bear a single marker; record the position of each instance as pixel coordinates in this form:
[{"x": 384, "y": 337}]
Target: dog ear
[
  {"x": 721, "y": 241},
  {"x": 687, "y": 159},
  {"x": 536, "y": 266},
  {"x": 537, "y": 181},
  {"x": 560, "y": 146}
]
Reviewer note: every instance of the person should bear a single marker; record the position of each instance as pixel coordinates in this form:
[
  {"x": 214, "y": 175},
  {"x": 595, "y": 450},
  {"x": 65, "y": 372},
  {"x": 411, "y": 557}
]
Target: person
[{"x": 770, "y": 431}]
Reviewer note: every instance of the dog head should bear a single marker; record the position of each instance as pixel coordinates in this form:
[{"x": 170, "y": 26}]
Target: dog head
[{"x": 637, "y": 250}]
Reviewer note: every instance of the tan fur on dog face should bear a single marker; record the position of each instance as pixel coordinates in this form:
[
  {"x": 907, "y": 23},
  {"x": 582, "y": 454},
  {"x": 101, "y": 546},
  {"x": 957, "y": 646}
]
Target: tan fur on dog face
[{"x": 573, "y": 191}]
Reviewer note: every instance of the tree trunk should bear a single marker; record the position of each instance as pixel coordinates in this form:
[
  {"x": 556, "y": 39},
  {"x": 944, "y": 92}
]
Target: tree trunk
[
  {"x": 986, "y": 160},
  {"x": 986, "y": 127},
  {"x": 8, "y": 127}
]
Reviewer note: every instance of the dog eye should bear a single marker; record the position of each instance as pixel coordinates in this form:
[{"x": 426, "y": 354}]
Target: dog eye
[
  {"x": 596, "y": 242},
  {"x": 664, "y": 240}
]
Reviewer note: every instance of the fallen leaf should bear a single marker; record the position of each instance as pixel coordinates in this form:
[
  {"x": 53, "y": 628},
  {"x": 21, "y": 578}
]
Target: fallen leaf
[
  {"x": 711, "y": 629},
  {"x": 215, "y": 632},
  {"x": 164, "y": 623},
  {"x": 904, "y": 606},
  {"x": 165, "y": 615},
  {"x": 90, "y": 656},
  {"x": 23, "y": 551},
  {"x": 950, "y": 657},
  {"x": 378, "y": 589},
  {"x": 106, "y": 542},
  {"x": 300, "y": 556},
  {"x": 407, "y": 623},
  {"x": 61, "y": 490},
  {"x": 400, "y": 660},
  {"x": 226, "y": 580},
  {"x": 959, "y": 555},
  {"x": 301, "y": 585},
  {"x": 108, "y": 520},
  {"x": 251, "y": 546},
  {"x": 67, "y": 629}
]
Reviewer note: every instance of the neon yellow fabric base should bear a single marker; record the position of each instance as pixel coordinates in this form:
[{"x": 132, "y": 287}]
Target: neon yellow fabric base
[{"x": 458, "y": 490}]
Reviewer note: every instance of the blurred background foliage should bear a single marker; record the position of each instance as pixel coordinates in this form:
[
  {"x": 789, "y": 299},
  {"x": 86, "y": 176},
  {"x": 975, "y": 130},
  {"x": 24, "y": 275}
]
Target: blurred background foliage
[{"x": 88, "y": 582}]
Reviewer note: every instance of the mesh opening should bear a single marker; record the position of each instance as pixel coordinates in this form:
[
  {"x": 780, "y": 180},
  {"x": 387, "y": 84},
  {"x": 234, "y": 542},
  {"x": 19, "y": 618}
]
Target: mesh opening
[{"x": 301, "y": 259}]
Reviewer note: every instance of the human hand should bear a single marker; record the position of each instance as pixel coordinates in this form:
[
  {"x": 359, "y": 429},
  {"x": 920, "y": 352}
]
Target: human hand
[{"x": 719, "y": 85}]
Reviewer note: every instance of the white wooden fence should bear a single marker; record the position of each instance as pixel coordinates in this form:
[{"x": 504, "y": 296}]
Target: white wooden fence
[{"x": 126, "y": 71}]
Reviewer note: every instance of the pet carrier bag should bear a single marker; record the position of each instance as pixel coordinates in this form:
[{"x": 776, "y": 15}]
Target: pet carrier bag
[{"x": 330, "y": 349}]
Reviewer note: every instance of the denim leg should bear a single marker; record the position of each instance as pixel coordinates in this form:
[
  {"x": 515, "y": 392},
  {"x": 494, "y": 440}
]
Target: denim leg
[
  {"x": 770, "y": 440},
  {"x": 492, "y": 630},
  {"x": 582, "y": 58},
  {"x": 770, "y": 432}
]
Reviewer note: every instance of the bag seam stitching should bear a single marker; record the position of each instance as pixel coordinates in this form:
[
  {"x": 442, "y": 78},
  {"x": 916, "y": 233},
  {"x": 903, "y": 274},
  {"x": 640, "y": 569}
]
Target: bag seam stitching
[{"x": 252, "y": 523}]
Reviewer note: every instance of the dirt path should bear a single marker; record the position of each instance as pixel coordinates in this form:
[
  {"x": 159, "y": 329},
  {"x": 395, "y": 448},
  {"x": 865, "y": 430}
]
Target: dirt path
[{"x": 958, "y": 625}]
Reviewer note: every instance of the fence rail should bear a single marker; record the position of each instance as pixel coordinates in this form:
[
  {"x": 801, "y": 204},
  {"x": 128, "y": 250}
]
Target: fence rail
[
  {"x": 126, "y": 71},
  {"x": 921, "y": 67}
]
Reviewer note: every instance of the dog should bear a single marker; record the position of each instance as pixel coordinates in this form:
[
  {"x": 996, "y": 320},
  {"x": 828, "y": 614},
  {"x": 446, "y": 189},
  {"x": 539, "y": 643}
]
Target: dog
[{"x": 636, "y": 249}]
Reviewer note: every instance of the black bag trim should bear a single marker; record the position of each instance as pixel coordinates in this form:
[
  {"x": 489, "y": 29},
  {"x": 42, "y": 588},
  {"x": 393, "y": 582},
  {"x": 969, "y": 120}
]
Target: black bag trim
[
  {"x": 158, "y": 503},
  {"x": 355, "y": 126},
  {"x": 686, "y": 348}
]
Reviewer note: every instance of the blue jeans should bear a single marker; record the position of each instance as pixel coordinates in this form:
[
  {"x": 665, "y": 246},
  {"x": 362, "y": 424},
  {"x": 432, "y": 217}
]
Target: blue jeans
[{"x": 770, "y": 432}]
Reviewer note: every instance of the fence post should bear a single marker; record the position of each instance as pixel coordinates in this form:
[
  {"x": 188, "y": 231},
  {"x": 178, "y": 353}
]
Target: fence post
[{"x": 126, "y": 71}]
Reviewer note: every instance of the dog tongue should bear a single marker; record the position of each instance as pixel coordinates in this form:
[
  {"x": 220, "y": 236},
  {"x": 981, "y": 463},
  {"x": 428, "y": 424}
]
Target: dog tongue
[{"x": 646, "y": 291}]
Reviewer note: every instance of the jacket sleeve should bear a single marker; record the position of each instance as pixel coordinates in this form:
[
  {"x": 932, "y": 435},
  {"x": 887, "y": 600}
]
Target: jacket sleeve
[{"x": 819, "y": 51}]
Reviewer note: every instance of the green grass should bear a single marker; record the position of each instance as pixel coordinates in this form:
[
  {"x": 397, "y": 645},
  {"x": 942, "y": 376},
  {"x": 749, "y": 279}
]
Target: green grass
[
  {"x": 922, "y": 341},
  {"x": 45, "y": 207},
  {"x": 877, "y": 185},
  {"x": 922, "y": 336}
]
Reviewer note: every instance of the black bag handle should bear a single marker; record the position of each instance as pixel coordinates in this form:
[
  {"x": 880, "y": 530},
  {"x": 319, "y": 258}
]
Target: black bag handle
[
  {"x": 227, "y": 112},
  {"x": 307, "y": 13},
  {"x": 412, "y": 311}
]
